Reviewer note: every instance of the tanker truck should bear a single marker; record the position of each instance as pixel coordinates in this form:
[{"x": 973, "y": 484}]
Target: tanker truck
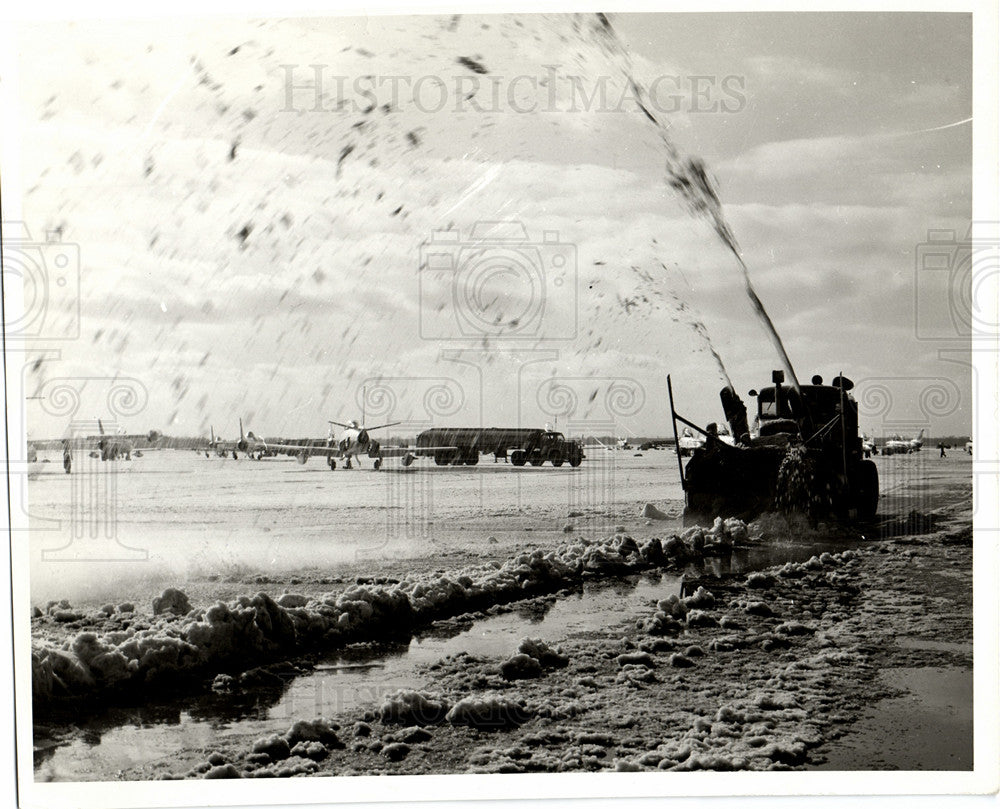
[
  {"x": 463, "y": 445},
  {"x": 803, "y": 454}
]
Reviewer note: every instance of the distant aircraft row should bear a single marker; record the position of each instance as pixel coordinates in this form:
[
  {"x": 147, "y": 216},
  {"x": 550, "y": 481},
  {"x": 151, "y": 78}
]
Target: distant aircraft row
[
  {"x": 687, "y": 443},
  {"x": 447, "y": 446},
  {"x": 354, "y": 442},
  {"x": 902, "y": 446}
]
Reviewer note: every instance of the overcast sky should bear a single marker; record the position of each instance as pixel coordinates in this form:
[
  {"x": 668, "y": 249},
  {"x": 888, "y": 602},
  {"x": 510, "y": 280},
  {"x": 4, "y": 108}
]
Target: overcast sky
[{"x": 254, "y": 204}]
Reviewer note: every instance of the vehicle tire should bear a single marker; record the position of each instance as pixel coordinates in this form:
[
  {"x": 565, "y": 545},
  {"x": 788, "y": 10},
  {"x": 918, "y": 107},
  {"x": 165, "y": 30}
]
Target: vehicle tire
[
  {"x": 518, "y": 458},
  {"x": 537, "y": 461},
  {"x": 557, "y": 462},
  {"x": 472, "y": 459},
  {"x": 575, "y": 461},
  {"x": 866, "y": 490},
  {"x": 440, "y": 459}
]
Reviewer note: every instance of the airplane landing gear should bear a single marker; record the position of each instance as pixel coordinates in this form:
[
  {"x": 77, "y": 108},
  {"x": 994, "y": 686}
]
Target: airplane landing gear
[
  {"x": 235, "y": 456},
  {"x": 348, "y": 464},
  {"x": 332, "y": 462},
  {"x": 378, "y": 463}
]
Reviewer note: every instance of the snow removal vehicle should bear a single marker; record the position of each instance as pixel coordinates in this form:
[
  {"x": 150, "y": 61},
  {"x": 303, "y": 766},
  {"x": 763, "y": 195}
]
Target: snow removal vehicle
[{"x": 804, "y": 455}]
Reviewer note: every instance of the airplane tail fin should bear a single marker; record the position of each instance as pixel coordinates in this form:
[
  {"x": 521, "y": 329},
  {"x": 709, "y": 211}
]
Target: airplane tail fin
[
  {"x": 920, "y": 437},
  {"x": 242, "y": 437},
  {"x": 100, "y": 426},
  {"x": 213, "y": 435}
]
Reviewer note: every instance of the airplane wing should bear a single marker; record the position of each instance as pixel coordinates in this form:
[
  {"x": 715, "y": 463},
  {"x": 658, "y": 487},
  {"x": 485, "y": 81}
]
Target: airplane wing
[
  {"x": 402, "y": 452},
  {"x": 382, "y": 426},
  {"x": 224, "y": 446},
  {"x": 296, "y": 449}
]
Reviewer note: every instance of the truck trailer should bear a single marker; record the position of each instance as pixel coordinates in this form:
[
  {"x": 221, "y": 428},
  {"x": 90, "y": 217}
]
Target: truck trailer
[{"x": 464, "y": 445}]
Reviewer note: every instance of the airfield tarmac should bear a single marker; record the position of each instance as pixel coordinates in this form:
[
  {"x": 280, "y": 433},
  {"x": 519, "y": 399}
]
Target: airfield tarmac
[
  {"x": 125, "y": 530},
  {"x": 218, "y": 529}
]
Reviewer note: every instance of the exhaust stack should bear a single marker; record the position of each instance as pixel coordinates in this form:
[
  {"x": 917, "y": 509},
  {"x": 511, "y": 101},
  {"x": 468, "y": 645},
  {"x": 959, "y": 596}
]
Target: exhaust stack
[{"x": 735, "y": 411}]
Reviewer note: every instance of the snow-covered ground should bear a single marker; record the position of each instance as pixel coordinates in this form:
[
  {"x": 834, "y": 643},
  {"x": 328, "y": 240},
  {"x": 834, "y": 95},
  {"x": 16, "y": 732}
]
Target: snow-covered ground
[
  {"x": 126, "y": 530},
  {"x": 766, "y": 672}
]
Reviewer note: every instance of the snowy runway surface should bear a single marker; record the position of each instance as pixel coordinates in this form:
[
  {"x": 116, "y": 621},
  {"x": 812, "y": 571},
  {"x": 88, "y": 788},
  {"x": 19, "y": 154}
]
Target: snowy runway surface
[
  {"x": 172, "y": 515},
  {"x": 219, "y": 528}
]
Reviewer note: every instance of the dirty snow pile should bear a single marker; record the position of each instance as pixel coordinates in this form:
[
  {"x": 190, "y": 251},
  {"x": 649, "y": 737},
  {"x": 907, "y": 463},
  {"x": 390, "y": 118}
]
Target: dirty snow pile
[
  {"x": 181, "y": 641},
  {"x": 532, "y": 659},
  {"x": 769, "y": 718},
  {"x": 295, "y": 752},
  {"x": 756, "y": 673}
]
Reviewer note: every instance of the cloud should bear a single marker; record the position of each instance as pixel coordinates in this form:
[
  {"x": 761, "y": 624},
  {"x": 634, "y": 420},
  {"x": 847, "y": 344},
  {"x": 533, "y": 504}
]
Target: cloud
[{"x": 242, "y": 251}]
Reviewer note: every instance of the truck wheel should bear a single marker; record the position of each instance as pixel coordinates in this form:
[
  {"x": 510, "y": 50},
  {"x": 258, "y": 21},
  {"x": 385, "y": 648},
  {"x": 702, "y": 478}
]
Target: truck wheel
[
  {"x": 866, "y": 490},
  {"x": 440, "y": 459},
  {"x": 575, "y": 462},
  {"x": 518, "y": 458},
  {"x": 557, "y": 462},
  {"x": 537, "y": 461}
]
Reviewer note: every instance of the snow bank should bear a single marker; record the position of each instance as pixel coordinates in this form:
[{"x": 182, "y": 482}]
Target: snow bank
[
  {"x": 521, "y": 667},
  {"x": 183, "y": 642},
  {"x": 171, "y": 600},
  {"x": 488, "y": 712},
  {"x": 774, "y": 726},
  {"x": 546, "y": 656},
  {"x": 412, "y": 708}
]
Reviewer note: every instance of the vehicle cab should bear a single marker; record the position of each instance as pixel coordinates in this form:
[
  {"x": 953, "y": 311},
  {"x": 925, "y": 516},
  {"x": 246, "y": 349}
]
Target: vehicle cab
[{"x": 808, "y": 412}]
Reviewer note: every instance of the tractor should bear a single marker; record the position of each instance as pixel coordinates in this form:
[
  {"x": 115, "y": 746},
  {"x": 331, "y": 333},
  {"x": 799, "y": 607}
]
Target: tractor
[{"x": 804, "y": 454}]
